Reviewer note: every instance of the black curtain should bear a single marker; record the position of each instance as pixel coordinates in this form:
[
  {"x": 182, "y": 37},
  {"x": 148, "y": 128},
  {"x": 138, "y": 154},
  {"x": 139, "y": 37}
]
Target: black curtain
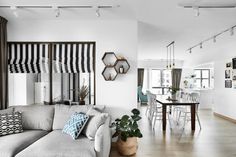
[
  {"x": 176, "y": 78},
  {"x": 3, "y": 64},
  {"x": 140, "y": 77}
]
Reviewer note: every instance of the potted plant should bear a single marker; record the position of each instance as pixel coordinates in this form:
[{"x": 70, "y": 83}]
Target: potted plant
[
  {"x": 83, "y": 92},
  {"x": 128, "y": 131},
  {"x": 173, "y": 92}
]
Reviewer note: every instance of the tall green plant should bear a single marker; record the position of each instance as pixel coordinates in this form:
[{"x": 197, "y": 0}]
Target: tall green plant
[
  {"x": 83, "y": 92},
  {"x": 127, "y": 126},
  {"x": 173, "y": 90}
]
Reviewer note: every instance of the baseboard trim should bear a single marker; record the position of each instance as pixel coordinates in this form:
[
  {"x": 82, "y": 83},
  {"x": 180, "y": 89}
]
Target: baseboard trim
[{"x": 225, "y": 117}]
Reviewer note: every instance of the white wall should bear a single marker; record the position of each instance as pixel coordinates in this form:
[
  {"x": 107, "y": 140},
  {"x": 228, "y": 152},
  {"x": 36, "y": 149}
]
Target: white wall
[
  {"x": 157, "y": 63},
  {"x": 225, "y": 98},
  {"x": 17, "y": 89},
  {"x": 219, "y": 53},
  {"x": 20, "y": 89},
  {"x": 117, "y": 36}
]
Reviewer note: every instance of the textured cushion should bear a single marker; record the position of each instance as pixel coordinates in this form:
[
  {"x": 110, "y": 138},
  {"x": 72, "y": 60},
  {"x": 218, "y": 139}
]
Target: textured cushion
[
  {"x": 9, "y": 110},
  {"x": 36, "y": 117},
  {"x": 96, "y": 119},
  {"x": 63, "y": 113},
  {"x": 12, "y": 144},
  {"x": 57, "y": 144},
  {"x": 100, "y": 108},
  {"x": 10, "y": 123},
  {"x": 102, "y": 142},
  {"x": 75, "y": 124}
]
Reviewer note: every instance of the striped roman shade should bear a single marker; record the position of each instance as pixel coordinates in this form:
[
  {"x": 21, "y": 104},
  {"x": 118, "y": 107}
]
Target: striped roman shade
[
  {"x": 73, "y": 58},
  {"x": 28, "y": 58},
  {"x": 76, "y": 57}
]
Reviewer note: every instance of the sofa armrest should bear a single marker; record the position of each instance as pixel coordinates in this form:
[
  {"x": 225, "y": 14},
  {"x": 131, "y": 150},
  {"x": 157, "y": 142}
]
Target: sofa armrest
[{"x": 102, "y": 143}]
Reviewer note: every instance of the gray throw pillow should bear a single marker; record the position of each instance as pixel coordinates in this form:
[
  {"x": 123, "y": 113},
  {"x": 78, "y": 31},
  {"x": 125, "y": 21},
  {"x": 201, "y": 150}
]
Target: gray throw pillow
[
  {"x": 96, "y": 119},
  {"x": 10, "y": 123}
]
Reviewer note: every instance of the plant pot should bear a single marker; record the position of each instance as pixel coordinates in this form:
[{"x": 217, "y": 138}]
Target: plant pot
[
  {"x": 173, "y": 96},
  {"x": 128, "y": 147},
  {"x": 81, "y": 102}
]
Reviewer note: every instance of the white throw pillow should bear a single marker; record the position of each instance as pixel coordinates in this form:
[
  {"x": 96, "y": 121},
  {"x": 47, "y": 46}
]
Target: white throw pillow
[{"x": 96, "y": 119}]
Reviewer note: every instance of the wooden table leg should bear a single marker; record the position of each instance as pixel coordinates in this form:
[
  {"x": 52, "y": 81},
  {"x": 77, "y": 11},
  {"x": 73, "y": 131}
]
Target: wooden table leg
[
  {"x": 164, "y": 117},
  {"x": 193, "y": 116}
]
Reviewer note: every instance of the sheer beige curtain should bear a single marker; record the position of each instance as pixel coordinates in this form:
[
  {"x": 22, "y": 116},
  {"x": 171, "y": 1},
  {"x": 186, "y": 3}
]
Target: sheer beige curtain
[{"x": 3, "y": 64}]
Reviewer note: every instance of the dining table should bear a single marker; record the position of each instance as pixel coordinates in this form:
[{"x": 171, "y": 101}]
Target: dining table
[{"x": 166, "y": 100}]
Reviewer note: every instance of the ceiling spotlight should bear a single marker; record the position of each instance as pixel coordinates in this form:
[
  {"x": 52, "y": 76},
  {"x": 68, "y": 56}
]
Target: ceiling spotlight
[
  {"x": 232, "y": 31},
  {"x": 201, "y": 45},
  {"x": 197, "y": 11},
  {"x": 14, "y": 11},
  {"x": 214, "y": 39},
  {"x": 57, "y": 11},
  {"x": 98, "y": 12}
]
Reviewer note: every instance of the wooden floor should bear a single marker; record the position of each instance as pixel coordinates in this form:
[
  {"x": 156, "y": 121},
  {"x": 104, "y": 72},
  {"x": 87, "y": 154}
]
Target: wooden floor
[{"x": 216, "y": 139}]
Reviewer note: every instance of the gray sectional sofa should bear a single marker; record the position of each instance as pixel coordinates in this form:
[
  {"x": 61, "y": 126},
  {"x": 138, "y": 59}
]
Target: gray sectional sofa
[{"x": 43, "y": 137}]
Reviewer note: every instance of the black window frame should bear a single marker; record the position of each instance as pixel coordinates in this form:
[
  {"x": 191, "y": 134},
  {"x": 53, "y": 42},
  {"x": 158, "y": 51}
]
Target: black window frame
[
  {"x": 162, "y": 80},
  {"x": 201, "y": 78}
]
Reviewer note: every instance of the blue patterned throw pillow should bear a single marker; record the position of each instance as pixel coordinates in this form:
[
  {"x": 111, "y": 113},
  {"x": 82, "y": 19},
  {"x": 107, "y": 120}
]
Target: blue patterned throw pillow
[{"x": 75, "y": 124}]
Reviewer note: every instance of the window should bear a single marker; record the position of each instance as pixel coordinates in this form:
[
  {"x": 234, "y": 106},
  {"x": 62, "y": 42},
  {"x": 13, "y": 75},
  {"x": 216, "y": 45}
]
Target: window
[
  {"x": 202, "y": 79},
  {"x": 160, "y": 81},
  {"x": 50, "y": 73}
]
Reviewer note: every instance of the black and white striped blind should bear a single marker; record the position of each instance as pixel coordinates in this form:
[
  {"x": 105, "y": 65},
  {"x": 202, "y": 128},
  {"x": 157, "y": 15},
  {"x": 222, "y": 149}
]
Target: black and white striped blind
[
  {"x": 66, "y": 57},
  {"x": 73, "y": 58},
  {"x": 28, "y": 58}
]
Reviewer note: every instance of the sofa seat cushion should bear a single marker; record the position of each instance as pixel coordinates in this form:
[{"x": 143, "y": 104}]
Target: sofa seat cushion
[
  {"x": 12, "y": 144},
  {"x": 57, "y": 144}
]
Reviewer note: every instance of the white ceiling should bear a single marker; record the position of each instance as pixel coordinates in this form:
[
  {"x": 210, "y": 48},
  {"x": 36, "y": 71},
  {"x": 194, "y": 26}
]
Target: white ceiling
[{"x": 159, "y": 21}]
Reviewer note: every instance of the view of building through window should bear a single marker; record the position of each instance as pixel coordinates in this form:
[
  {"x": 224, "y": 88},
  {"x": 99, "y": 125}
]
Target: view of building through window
[
  {"x": 202, "y": 79},
  {"x": 160, "y": 81}
]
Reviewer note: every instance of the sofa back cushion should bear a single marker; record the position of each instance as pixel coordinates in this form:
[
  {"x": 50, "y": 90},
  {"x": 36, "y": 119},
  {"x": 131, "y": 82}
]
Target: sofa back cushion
[
  {"x": 6, "y": 111},
  {"x": 36, "y": 117},
  {"x": 63, "y": 112}
]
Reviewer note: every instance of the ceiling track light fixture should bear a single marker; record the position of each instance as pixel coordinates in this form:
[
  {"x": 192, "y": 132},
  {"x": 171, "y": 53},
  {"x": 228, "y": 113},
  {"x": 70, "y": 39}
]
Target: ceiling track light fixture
[
  {"x": 14, "y": 11},
  {"x": 208, "y": 6},
  {"x": 231, "y": 30},
  {"x": 200, "y": 45},
  {"x": 98, "y": 12},
  {"x": 201, "y": 5},
  {"x": 61, "y": 6},
  {"x": 57, "y": 9},
  {"x": 214, "y": 39},
  {"x": 190, "y": 50},
  {"x": 197, "y": 11}
]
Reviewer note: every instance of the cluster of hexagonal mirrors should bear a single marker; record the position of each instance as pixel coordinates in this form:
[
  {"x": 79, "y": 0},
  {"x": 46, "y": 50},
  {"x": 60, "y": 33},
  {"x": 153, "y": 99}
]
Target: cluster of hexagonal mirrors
[{"x": 113, "y": 66}]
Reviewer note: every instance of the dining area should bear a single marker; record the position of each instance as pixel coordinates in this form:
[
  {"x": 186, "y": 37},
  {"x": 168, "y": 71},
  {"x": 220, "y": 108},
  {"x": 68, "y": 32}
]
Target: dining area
[{"x": 176, "y": 111}]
